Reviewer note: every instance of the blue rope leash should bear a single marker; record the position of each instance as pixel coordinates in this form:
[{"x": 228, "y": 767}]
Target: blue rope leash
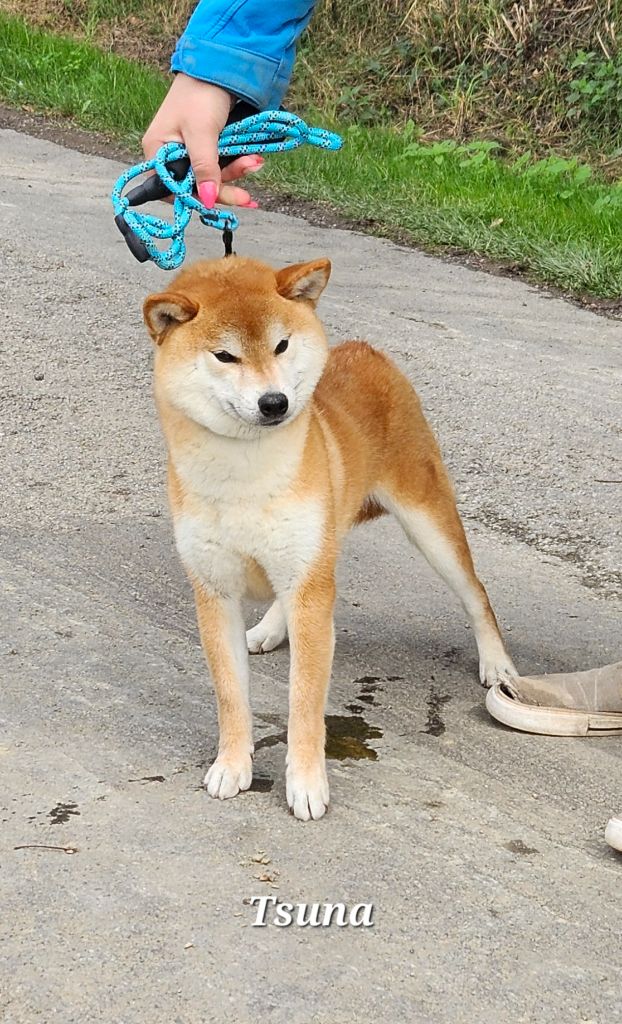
[{"x": 272, "y": 131}]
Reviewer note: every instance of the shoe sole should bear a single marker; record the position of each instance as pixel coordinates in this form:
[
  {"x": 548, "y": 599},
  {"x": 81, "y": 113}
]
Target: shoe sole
[
  {"x": 613, "y": 833},
  {"x": 550, "y": 721}
]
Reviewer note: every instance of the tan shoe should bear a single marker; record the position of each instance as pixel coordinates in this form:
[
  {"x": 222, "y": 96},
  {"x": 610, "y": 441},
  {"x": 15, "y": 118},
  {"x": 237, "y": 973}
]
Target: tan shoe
[
  {"x": 613, "y": 833},
  {"x": 569, "y": 704}
]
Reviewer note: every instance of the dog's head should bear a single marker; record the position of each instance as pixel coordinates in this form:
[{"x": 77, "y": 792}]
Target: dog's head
[{"x": 239, "y": 346}]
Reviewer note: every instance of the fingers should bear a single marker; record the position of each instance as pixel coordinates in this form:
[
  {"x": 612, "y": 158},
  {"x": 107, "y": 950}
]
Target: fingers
[
  {"x": 203, "y": 152},
  {"x": 228, "y": 195},
  {"x": 232, "y": 195},
  {"x": 242, "y": 166},
  {"x": 205, "y": 111},
  {"x": 210, "y": 194}
]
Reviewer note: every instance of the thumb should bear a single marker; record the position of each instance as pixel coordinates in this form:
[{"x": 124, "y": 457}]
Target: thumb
[{"x": 203, "y": 153}]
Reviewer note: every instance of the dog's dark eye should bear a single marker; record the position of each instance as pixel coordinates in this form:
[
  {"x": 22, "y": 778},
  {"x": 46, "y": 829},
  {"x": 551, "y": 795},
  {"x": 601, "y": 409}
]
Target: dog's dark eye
[
  {"x": 281, "y": 347},
  {"x": 226, "y": 357}
]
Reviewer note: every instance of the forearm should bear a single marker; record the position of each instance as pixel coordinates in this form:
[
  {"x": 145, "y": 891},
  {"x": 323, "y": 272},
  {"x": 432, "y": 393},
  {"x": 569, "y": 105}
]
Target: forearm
[{"x": 247, "y": 47}]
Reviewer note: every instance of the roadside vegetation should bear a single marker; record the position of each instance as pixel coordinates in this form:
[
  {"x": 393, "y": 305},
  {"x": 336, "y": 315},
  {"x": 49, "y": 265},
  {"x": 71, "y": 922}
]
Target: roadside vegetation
[{"x": 486, "y": 127}]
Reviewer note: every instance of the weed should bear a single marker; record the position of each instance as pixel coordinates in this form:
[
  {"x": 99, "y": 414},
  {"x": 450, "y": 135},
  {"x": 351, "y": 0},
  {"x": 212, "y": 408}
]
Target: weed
[{"x": 595, "y": 95}]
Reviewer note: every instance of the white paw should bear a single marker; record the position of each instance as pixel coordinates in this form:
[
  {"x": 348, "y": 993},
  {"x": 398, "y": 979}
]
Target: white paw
[
  {"x": 261, "y": 639},
  {"x": 226, "y": 777},
  {"x": 307, "y": 792},
  {"x": 495, "y": 670}
]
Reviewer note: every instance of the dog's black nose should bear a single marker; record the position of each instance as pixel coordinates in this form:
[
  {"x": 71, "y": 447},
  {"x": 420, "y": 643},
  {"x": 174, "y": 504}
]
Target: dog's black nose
[{"x": 273, "y": 404}]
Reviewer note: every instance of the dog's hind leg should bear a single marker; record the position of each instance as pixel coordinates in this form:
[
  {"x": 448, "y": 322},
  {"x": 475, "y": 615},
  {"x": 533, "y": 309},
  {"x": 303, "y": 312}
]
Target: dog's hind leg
[
  {"x": 221, "y": 626},
  {"x": 431, "y": 520},
  {"x": 268, "y": 633}
]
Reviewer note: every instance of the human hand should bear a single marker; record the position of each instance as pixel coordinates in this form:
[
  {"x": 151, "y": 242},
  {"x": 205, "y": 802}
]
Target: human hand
[{"x": 195, "y": 112}]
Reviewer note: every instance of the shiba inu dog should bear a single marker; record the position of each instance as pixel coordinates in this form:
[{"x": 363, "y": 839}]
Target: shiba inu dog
[{"x": 277, "y": 446}]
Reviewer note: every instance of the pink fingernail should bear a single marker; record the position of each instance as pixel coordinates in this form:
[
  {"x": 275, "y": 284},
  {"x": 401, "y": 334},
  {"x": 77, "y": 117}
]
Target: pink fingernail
[
  {"x": 252, "y": 168},
  {"x": 251, "y": 206},
  {"x": 208, "y": 193}
]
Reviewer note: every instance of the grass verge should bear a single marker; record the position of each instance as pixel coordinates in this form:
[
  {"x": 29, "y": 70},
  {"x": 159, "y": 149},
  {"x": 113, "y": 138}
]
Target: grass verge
[
  {"x": 548, "y": 218},
  {"x": 535, "y": 73},
  {"x": 54, "y": 74}
]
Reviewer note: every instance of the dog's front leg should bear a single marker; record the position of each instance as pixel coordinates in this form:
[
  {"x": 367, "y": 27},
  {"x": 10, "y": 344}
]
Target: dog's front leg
[
  {"x": 312, "y": 642},
  {"x": 223, "y": 637}
]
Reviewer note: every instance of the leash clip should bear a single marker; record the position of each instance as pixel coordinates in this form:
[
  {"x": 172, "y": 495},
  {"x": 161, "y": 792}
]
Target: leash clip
[{"x": 227, "y": 238}]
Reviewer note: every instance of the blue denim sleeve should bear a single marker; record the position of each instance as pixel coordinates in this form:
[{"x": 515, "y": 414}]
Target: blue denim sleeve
[{"x": 246, "y": 46}]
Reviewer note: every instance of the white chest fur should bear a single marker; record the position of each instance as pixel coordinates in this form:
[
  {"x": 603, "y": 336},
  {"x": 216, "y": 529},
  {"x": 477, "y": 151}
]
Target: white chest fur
[{"x": 239, "y": 504}]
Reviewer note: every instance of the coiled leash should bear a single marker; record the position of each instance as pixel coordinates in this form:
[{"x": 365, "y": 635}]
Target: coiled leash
[{"x": 271, "y": 131}]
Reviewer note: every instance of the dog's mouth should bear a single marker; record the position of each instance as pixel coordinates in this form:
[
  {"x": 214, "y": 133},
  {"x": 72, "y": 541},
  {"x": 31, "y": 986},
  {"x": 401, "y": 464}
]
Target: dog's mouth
[{"x": 273, "y": 421}]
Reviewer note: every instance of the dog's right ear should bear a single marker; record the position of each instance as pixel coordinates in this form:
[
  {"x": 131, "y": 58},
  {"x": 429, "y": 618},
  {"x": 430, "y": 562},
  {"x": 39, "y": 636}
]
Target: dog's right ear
[
  {"x": 303, "y": 281},
  {"x": 166, "y": 310}
]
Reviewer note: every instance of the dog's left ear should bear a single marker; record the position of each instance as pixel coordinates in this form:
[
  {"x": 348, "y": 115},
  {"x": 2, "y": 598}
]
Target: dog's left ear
[
  {"x": 303, "y": 281},
  {"x": 167, "y": 310}
]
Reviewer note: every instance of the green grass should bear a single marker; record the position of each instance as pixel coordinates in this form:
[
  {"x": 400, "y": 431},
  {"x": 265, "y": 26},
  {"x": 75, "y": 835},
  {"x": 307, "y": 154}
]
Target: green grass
[
  {"x": 548, "y": 217},
  {"x": 545, "y": 217},
  {"x": 58, "y": 75},
  {"x": 536, "y": 73}
]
